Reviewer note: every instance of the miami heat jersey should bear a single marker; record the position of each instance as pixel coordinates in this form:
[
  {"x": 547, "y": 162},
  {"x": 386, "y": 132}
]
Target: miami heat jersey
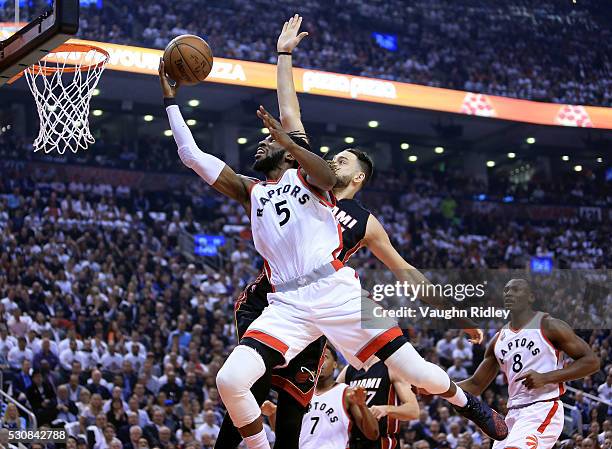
[
  {"x": 527, "y": 349},
  {"x": 326, "y": 424},
  {"x": 293, "y": 227},
  {"x": 380, "y": 391},
  {"x": 353, "y": 220}
]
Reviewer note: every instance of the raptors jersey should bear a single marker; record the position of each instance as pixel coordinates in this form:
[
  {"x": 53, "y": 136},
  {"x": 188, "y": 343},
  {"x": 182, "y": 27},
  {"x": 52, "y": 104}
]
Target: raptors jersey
[
  {"x": 293, "y": 227},
  {"x": 380, "y": 391},
  {"x": 527, "y": 349},
  {"x": 326, "y": 424}
]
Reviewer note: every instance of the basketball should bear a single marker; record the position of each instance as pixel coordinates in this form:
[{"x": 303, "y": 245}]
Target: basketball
[{"x": 188, "y": 59}]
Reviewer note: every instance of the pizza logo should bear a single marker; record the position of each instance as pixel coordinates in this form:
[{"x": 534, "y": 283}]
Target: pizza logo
[
  {"x": 477, "y": 104},
  {"x": 531, "y": 442},
  {"x": 570, "y": 115}
]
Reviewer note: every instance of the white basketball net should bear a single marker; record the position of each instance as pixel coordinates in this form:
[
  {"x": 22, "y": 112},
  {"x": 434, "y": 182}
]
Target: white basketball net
[{"x": 62, "y": 84}]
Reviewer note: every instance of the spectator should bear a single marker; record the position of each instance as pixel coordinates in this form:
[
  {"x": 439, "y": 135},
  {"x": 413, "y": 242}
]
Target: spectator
[{"x": 42, "y": 399}]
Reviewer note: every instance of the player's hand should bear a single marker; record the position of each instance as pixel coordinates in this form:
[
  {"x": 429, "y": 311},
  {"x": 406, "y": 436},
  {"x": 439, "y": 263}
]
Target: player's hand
[
  {"x": 289, "y": 37},
  {"x": 533, "y": 380},
  {"x": 168, "y": 89},
  {"x": 276, "y": 129},
  {"x": 476, "y": 335},
  {"x": 268, "y": 408},
  {"x": 332, "y": 164},
  {"x": 379, "y": 411},
  {"x": 356, "y": 396}
]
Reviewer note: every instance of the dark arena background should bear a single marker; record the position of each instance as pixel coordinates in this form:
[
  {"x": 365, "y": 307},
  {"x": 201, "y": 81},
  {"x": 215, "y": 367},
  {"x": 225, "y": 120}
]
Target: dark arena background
[{"x": 489, "y": 125}]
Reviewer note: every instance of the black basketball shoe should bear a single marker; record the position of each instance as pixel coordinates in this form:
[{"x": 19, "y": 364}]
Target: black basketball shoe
[{"x": 489, "y": 421}]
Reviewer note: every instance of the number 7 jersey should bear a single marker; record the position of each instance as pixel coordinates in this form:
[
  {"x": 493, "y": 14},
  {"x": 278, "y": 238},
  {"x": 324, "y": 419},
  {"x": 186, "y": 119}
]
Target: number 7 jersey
[
  {"x": 519, "y": 351},
  {"x": 293, "y": 227}
]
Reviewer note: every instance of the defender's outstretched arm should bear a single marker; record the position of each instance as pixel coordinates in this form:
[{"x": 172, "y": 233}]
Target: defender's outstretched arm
[{"x": 288, "y": 104}]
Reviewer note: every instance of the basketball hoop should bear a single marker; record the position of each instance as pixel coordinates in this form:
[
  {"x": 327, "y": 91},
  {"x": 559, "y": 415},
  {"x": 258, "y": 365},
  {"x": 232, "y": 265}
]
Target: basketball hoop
[{"x": 63, "y": 101}]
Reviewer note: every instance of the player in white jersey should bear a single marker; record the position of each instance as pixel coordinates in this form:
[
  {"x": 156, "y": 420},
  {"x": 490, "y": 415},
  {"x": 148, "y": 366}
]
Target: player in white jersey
[
  {"x": 528, "y": 351},
  {"x": 313, "y": 293},
  {"x": 333, "y": 410}
]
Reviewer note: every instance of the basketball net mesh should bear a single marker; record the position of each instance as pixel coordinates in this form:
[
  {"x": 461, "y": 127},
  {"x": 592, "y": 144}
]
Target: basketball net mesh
[{"x": 62, "y": 84}]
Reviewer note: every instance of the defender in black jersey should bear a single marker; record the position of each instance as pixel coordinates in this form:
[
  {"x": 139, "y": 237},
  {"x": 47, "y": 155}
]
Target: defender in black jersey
[{"x": 391, "y": 402}]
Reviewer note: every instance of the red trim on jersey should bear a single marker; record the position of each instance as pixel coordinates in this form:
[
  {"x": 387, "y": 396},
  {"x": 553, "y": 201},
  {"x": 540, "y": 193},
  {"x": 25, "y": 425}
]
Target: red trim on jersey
[
  {"x": 340, "y": 244},
  {"x": 337, "y": 264},
  {"x": 388, "y": 443},
  {"x": 351, "y": 251},
  {"x": 268, "y": 272},
  {"x": 302, "y": 398},
  {"x": 243, "y": 294},
  {"x": 549, "y": 417},
  {"x": 313, "y": 190},
  {"x": 557, "y": 352},
  {"x": 377, "y": 343},
  {"x": 267, "y": 340}
]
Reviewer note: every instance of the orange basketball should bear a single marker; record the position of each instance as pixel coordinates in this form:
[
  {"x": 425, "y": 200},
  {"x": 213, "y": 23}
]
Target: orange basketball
[{"x": 188, "y": 59}]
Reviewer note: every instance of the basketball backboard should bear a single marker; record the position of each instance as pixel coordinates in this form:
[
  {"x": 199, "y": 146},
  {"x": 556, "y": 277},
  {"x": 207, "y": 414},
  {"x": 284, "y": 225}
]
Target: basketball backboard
[{"x": 36, "y": 39}]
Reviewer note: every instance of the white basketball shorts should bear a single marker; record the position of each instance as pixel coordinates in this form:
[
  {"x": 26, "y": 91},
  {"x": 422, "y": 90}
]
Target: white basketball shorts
[
  {"x": 537, "y": 426},
  {"x": 331, "y": 306}
]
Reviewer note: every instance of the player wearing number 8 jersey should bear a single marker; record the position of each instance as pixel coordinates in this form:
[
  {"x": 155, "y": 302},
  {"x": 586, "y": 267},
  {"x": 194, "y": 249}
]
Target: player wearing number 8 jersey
[{"x": 528, "y": 351}]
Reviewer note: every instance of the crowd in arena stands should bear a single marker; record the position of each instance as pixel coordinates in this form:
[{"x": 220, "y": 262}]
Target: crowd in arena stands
[
  {"x": 108, "y": 327},
  {"x": 515, "y": 49}
]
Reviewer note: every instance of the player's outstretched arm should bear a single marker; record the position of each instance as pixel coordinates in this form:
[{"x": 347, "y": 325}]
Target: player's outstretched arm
[
  {"x": 409, "y": 408},
  {"x": 319, "y": 172},
  {"x": 377, "y": 240},
  {"x": 484, "y": 374},
  {"x": 210, "y": 168},
  {"x": 288, "y": 104},
  {"x": 362, "y": 416},
  {"x": 564, "y": 339}
]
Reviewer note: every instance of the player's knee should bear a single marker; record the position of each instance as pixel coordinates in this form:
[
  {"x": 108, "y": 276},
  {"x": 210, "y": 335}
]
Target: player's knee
[
  {"x": 407, "y": 364},
  {"x": 241, "y": 370}
]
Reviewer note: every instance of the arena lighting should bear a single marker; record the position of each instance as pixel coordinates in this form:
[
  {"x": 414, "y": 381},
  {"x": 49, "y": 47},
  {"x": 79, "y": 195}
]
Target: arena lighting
[
  {"x": 148, "y": 118},
  {"x": 373, "y": 124},
  {"x": 405, "y": 146},
  {"x": 530, "y": 140},
  {"x": 242, "y": 140},
  {"x": 191, "y": 122},
  {"x": 193, "y": 103},
  {"x": 265, "y": 131},
  {"x": 439, "y": 150},
  {"x": 97, "y": 112},
  {"x": 412, "y": 158},
  {"x": 490, "y": 164},
  {"x": 95, "y": 92},
  {"x": 565, "y": 158},
  {"x": 349, "y": 139},
  {"x": 599, "y": 159},
  {"x": 168, "y": 133},
  {"x": 511, "y": 155},
  {"x": 577, "y": 167},
  {"x": 324, "y": 149}
]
